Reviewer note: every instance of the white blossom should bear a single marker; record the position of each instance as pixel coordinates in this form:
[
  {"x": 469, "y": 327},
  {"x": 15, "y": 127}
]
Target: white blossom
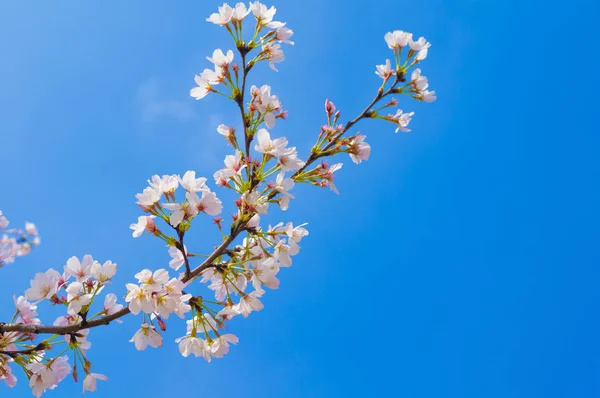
[
  {"x": 274, "y": 54},
  {"x": 220, "y": 345},
  {"x": 289, "y": 161},
  {"x": 145, "y": 223},
  {"x": 89, "y": 383},
  {"x": 418, "y": 45},
  {"x": 77, "y": 299},
  {"x": 263, "y": 15},
  {"x": 402, "y": 120},
  {"x": 283, "y": 35},
  {"x": 165, "y": 184},
  {"x": 43, "y": 286},
  {"x": 47, "y": 376},
  {"x": 194, "y": 345},
  {"x": 209, "y": 203},
  {"x": 190, "y": 183},
  {"x": 283, "y": 185},
  {"x": 421, "y": 55},
  {"x": 139, "y": 299},
  {"x": 205, "y": 81},
  {"x": 385, "y": 71},
  {"x": 178, "y": 259},
  {"x": 268, "y": 146},
  {"x": 427, "y": 96},
  {"x": 221, "y": 60},
  {"x": 418, "y": 82},
  {"x": 146, "y": 336},
  {"x": 240, "y": 12},
  {"x": 267, "y": 104},
  {"x": 80, "y": 270},
  {"x": 110, "y": 304},
  {"x": 397, "y": 39},
  {"x": 103, "y": 273},
  {"x": 359, "y": 150},
  {"x": 6, "y": 374},
  {"x": 150, "y": 281},
  {"x": 248, "y": 303},
  {"x": 149, "y": 197},
  {"x": 223, "y": 16},
  {"x": 180, "y": 211}
]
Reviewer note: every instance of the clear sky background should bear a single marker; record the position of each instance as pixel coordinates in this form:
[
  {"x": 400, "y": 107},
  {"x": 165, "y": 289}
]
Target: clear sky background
[{"x": 460, "y": 261}]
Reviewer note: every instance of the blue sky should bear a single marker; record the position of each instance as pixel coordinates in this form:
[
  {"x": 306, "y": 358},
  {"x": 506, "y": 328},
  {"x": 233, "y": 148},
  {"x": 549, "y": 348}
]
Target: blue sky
[{"x": 460, "y": 261}]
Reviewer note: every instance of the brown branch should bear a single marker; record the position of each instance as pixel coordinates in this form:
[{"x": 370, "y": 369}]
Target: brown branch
[
  {"x": 240, "y": 102},
  {"x": 14, "y": 354},
  {"x": 181, "y": 247},
  {"x": 62, "y": 330},
  {"x": 189, "y": 274},
  {"x": 106, "y": 320}
]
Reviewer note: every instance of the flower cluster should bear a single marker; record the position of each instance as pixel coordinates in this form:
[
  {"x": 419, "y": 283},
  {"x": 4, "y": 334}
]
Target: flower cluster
[
  {"x": 46, "y": 376},
  {"x": 417, "y": 52},
  {"x": 16, "y": 242},
  {"x": 254, "y": 264},
  {"x": 157, "y": 296},
  {"x": 198, "y": 199},
  {"x": 76, "y": 288},
  {"x": 228, "y": 73},
  {"x": 259, "y": 171}
]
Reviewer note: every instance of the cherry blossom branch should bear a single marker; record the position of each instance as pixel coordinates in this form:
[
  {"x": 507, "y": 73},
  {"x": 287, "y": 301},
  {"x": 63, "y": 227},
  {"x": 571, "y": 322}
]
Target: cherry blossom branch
[
  {"x": 364, "y": 114},
  {"x": 252, "y": 263},
  {"x": 107, "y": 319},
  {"x": 63, "y": 330},
  {"x": 380, "y": 95}
]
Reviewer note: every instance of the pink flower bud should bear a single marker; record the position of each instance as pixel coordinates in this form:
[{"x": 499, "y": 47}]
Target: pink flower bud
[
  {"x": 87, "y": 365},
  {"x": 329, "y": 107},
  {"x": 161, "y": 324}
]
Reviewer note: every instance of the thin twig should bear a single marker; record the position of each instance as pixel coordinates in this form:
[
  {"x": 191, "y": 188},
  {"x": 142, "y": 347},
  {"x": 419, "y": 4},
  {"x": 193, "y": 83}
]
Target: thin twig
[{"x": 29, "y": 351}]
